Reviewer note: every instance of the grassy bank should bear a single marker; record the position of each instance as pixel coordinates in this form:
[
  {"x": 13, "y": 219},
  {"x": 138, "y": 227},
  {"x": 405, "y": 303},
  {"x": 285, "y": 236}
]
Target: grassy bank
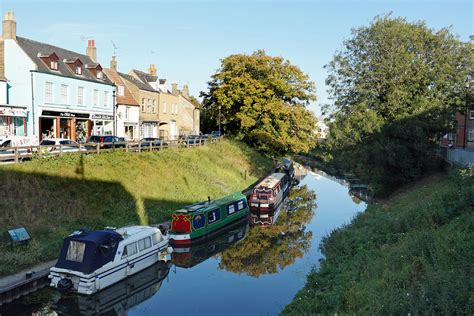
[
  {"x": 54, "y": 196},
  {"x": 413, "y": 253}
]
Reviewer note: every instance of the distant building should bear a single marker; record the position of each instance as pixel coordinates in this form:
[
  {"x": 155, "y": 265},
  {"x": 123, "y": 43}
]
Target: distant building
[
  {"x": 323, "y": 129},
  {"x": 128, "y": 110},
  {"x": 64, "y": 93}
]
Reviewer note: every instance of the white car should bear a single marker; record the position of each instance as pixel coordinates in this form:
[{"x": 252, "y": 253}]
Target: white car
[
  {"x": 54, "y": 146},
  {"x": 9, "y": 154}
]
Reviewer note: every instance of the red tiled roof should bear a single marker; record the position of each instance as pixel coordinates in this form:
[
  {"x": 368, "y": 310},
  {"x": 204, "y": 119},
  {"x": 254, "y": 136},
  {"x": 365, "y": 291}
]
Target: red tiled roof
[{"x": 127, "y": 98}]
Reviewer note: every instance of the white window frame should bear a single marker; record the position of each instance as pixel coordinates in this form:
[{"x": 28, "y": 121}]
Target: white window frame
[
  {"x": 100, "y": 75},
  {"x": 78, "y": 70},
  {"x": 127, "y": 112},
  {"x": 471, "y": 114},
  {"x": 121, "y": 90},
  {"x": 470, "y": 135},
  {"x": 164, "y": 107},
  {"x": 154, "y": 106},
  {"x": 54, "y": 65},
  {"x": 106, "y": 98},
  {"x": 64, "y": 94},
  {"x": 95, "y": 97},
  {"x": 48, "y": 94},
  {"x": 80, "y": 95}
]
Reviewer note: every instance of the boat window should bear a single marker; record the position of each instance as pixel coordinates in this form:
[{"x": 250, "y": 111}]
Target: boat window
[
  {"x": 198, "y": 221},
  {"x": 213, "y": 216},
  {"x": 230, "y": 209},
  {"x": 75, "y": 252},
  {"x": 144, "y": 243},
  {"x": 129, "y": 250},
  {"x": 157, "y": 238},
  {"x": 241, "y": 204}
]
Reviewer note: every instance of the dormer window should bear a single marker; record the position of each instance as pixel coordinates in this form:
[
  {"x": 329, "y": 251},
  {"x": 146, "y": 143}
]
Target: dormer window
[
  {"x": 96, "y": 71},
  {"x": 75, "y": 65},
  {"x": 51, "y": 60}
]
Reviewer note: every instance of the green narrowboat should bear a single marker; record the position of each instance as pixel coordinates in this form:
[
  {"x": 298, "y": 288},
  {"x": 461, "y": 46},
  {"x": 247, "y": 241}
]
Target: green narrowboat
[{"x": 200, "y": 221}]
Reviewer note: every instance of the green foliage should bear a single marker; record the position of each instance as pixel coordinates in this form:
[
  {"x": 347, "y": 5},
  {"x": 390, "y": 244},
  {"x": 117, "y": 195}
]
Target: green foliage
[
  {"x": 262, "y": 100},
  {"x": 54, "y": 196},
  {"x": 412, "y": 255},
  {"x": 395, "y": 86}
]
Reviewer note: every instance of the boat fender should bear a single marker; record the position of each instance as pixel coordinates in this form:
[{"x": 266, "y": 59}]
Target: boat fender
[{"x": 169, "y": 250}]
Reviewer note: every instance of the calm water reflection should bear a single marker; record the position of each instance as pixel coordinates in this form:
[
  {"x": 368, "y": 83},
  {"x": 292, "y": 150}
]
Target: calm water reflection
[{"x": 245, "y": 271}]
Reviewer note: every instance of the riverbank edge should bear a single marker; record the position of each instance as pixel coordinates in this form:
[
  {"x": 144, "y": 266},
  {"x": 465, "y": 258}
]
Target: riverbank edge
[
  {"x": 342, "y": 283},
  {"x": 246, "y": 169}
]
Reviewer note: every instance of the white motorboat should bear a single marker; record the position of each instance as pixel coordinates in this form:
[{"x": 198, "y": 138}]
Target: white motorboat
[{"x": 93, "y": 260}]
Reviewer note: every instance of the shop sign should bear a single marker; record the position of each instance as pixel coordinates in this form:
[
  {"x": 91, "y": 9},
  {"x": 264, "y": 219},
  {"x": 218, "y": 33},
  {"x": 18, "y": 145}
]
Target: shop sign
[
  {"x": 65, "y": 114},
  {"x": 4, "y": 111},
  {"x": 102, "y": 117}
]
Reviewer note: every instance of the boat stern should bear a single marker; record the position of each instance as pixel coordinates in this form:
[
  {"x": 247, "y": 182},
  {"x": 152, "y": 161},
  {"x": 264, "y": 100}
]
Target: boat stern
[{"x": 67, "y": 281}]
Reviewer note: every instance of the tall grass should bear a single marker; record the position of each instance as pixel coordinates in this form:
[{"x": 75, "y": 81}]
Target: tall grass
[
  {"x": 57, "y": 195},
  {"x": 412, "y": 255}
]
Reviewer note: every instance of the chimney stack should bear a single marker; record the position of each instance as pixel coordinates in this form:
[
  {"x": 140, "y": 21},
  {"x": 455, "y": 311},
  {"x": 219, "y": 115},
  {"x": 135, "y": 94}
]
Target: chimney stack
[
  {"x": 113, "y": 64},
  {"x": 185, "y": 91},
  {"x": 152, "y": 70},
  {"x": 174, "y": 88},
  {"x": 9, "y": 26},
  {"x": 91, "y": 51}
]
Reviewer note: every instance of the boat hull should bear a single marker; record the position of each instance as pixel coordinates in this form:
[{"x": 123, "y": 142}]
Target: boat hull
[{"x": 106, "y": 276}]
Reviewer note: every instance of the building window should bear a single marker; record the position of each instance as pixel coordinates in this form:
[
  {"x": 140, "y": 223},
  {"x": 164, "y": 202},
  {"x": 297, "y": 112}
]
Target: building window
[
  {"x": 95, "y": 97},
  {"x": 127, "y": 112},
  {"x": 78, "y": 70},
  {"x": 164, "y": 107},
  {"x": 64, "y": 94},
  {"x": 121, "y": 91},
  {"x": 80, "y": 95},
  {"x": 106, "y": 98},
  {"x": 143, "y": 104},
  {"x": 100, "y": 75},
  {"x": 48, "y": 92},
  {"x": 154, "y": 106},
  {"x": 54, "y": 65},
  {"x": 148, "y": 108},
  {"x": 470, "y": 135},
  {"x": 471, "y": 114}
]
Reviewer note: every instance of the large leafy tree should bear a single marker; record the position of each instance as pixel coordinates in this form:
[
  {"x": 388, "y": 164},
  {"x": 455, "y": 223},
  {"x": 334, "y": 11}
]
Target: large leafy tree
[
  {"x": 262, "y": 100},
  {"x": 395, "y": 85}
]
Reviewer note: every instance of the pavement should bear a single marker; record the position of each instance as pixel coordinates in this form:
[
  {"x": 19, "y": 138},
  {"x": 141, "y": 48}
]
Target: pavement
[{"x": 12, "y": 281}]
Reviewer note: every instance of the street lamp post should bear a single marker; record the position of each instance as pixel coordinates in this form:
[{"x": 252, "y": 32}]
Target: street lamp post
[
  {"x": 466, "y": 131},
  {"x": 219, "y": 120}
]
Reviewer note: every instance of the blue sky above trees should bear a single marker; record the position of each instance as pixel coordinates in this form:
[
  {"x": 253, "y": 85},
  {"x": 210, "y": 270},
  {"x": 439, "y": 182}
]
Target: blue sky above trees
[{"x": 186, "y": 39}]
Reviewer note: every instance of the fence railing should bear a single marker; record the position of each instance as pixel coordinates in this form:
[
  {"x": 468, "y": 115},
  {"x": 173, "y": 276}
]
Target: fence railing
[
  {"x": 20, "y": 153},
  {"x": 457, "y": 155}
]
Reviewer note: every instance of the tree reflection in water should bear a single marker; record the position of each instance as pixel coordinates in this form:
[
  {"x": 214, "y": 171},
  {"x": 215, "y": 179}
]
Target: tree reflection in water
[{"x": 267, "y": 249}]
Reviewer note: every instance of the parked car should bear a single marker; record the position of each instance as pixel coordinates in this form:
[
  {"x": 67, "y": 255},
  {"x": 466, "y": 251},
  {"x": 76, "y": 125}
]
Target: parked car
[
  {"x": 192, "y": 140},
  {"x": 215, "y": 134},
  {"x": 107, "y": 141},
  {"x": 54, "y": 145},
  {"x": 154, "y": 141},
  {"x": 9, "y": 154}
]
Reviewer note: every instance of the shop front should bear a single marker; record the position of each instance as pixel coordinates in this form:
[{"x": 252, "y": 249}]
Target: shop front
[
  {"x": 63, "y": 124},
  {"x": 103, "y": 124},
  {"x": 13, "y": 120}
]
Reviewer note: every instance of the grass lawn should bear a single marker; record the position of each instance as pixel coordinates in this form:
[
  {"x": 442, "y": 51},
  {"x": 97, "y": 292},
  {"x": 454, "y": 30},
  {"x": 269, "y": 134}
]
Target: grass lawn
[
  {"x": 412, "y": 254},
  {"x": 54, "y": 196}
]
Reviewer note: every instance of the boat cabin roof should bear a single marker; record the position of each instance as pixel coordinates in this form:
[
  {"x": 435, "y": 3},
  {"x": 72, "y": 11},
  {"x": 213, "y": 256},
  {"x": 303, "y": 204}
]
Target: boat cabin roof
[
  {"x": 201, "y": 206},
  {"x": 271, "y": 180},
  {"x": 136, "y": 231}
]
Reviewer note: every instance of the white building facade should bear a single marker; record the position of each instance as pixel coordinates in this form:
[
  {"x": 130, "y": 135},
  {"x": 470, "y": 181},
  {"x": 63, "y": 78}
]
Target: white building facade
[{"x": 65, "y": 94}]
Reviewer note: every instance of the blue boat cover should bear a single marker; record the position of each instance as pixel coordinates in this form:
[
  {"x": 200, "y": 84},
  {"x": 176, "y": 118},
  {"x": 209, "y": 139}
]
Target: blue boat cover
[{"x": 88, "y": 250}]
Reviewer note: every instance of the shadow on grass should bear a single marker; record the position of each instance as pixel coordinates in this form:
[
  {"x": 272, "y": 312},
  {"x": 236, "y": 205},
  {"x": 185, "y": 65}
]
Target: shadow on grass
[
  {"x": 160, "y": 210},
  {"x": 51, "y": 207}
]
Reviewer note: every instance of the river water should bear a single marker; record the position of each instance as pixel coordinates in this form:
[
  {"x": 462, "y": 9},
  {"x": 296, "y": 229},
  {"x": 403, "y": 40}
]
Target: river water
[{"x": 247, "y": 271}]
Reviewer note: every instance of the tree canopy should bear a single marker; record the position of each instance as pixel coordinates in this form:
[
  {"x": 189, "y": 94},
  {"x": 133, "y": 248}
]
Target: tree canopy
[
  {"x": 262, "y": 100},
  {"x": 395, "y": 86}
]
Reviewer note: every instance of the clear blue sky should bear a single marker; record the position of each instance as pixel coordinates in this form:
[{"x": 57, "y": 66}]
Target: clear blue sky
[{"x": 186, "y": 39}]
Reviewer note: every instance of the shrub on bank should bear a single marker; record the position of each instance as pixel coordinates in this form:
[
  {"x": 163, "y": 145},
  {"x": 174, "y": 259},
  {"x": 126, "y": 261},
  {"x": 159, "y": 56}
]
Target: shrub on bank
[{"x": 410, "y": 255}]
